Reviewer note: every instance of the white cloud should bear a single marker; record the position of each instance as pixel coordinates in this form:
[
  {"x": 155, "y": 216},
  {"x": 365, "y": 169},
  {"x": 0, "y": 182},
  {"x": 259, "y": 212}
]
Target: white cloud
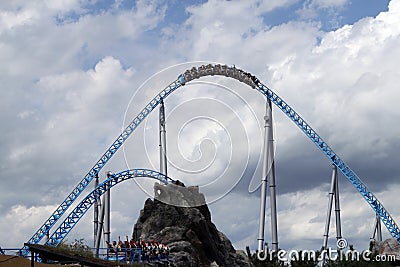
[
  {"x": 328, "y": 3},
  {"x": 63, "y": 5},
  {"x": 67, "y": 84},
  {"x": 34, "y": 43},
  {"x": 266, "y": 6},
  {"x": 16, "y": 224},
  {"x": 301, "y": 218},
  {"x": 10, "y": 20},
  {"x": 327, "y": 12}
]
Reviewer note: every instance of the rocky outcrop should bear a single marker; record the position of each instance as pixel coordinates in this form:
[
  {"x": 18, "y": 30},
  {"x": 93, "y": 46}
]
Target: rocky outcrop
[
  {"x": 388, "y": 247},
  {"x": 188, "y": 231}
]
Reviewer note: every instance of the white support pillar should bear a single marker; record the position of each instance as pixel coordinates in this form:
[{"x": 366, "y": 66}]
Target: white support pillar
[
  {"x": 378, "y": 229},
  {"x": 333, "y": 196},
  {"x": 268, "y": 172},
  {"x": 377, "y": 233},
  {"x": 96, "y": 213},
  {"x": 100, "y": 228},
  {"x": 329, "y": 211},
  {"x": 163, "y": 142},
  {"x": 264, "y": 182},
  {"x": 107, "y": 220},
  {"x": 337, "y": 206},
  {"x": 272, "y": 183}
]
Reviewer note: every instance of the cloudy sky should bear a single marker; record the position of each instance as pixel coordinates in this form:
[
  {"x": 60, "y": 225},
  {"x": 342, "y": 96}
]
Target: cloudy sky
[{"x": 73, "y": 73}]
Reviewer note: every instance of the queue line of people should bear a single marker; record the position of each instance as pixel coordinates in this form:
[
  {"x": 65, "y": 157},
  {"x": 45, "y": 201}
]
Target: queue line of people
[{"x": 139, "y": 250}]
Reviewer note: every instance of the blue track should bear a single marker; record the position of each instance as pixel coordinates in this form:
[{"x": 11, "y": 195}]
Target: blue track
[
  {"x": 252, "y": 81},
  {"x": 73, "y": 218}
]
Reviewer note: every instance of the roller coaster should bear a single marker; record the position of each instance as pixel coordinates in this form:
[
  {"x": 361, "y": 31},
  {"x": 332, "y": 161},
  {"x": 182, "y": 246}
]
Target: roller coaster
[{"x": 195, "y": 73}]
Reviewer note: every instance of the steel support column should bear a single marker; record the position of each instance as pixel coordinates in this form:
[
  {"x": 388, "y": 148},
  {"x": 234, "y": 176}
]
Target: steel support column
[
  {"x": 95, "y": 213},
  {"x": 329, "y": 211},
  {"x": 268, "y": 172},
  {"x": 163, "y": 141},
  {"x": 107, "y": 220},
  {"x": 271, "y": 176},
  {"x": 264, "y": 182},
  {"x": 377, "y": 229},
  {"x": 337, "y": 206},
  {"x": 100, "y": 227}
]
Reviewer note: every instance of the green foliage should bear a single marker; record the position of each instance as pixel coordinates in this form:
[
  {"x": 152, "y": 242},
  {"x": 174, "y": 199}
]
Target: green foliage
[
  {"x": 78, "y": 246},
  {"x": 306, "y": 259},
  {"x": 81, "y": 248}
]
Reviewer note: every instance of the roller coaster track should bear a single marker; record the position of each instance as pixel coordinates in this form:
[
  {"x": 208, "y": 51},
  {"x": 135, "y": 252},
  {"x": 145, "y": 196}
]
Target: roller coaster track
[
  {"x": 252, "y": 81},
  {"x": 76, "y": 214}
]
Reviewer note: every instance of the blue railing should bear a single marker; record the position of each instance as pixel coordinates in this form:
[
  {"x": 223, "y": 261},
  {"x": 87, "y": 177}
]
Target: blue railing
[
  {"x": 123, "y": 255},
  {"x": 133, "y": 255}
]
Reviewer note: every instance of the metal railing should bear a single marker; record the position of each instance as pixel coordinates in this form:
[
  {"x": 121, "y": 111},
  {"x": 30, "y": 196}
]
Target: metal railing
[{"x": 123, "y": 255}]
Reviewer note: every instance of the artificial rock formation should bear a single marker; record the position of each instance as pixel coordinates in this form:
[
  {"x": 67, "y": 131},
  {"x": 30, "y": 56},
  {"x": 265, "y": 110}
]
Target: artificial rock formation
[
  {"x": 388, "y": 247},
  {"x": 188, "y": 231}
]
